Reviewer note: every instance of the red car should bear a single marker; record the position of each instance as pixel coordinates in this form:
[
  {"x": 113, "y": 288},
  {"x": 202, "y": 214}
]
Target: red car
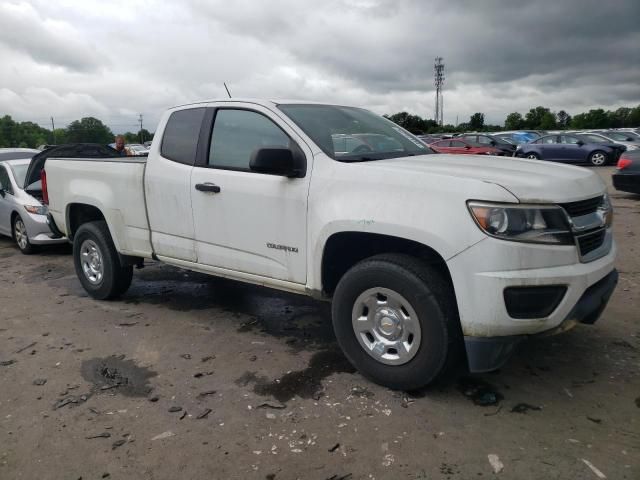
[{"x": 452, "y": 145}]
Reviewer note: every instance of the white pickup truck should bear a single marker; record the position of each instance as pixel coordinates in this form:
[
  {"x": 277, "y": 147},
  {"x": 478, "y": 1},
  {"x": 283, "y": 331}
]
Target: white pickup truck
[{"x": 424, "y": 256}]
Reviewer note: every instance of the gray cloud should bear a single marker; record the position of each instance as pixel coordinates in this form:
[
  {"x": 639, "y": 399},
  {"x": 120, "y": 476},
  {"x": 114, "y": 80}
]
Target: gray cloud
[
  {"x": 50, "y": 41},
  {"x": 124, "y": 57}
]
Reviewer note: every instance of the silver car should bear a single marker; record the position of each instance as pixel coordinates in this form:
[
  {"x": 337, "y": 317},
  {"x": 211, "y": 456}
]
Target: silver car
[{"x": 22, "y": 216}]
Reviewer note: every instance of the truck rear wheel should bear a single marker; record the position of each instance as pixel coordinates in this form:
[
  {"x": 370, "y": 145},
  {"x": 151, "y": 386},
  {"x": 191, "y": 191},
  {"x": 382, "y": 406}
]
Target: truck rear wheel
[
  {"x": 396, "y": 321},
  {"x": 97, "y": 263}
]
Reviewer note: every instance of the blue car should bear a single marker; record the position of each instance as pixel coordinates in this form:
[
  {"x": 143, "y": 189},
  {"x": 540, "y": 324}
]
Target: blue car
[
  {"x": 570, "y": 149},
  {"x": 519, "y": 136}
]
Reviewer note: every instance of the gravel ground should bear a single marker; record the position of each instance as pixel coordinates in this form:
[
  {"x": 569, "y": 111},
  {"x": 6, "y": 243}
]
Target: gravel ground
[{"x": 193, "y": 377}]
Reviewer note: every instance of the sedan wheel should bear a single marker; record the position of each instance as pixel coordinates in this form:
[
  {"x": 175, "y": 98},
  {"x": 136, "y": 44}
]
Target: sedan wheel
[
  {"x": 533, "y": 156},
  {"x": 21, "y": 236},
  {"x": 598, "y": 158}
]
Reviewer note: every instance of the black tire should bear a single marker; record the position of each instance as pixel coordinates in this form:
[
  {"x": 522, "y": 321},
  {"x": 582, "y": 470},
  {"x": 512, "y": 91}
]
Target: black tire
[
  {"x": 116, "y": 278},
  {"x": 596, "y": 158},
  {"x": 430, "y": 296},
  {"x": 532, "y": 156},
  {"x": 21, "y": 239}
]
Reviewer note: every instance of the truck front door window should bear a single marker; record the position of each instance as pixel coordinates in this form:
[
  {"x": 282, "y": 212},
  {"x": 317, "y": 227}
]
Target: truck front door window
[{"x": 237, "y": 134}]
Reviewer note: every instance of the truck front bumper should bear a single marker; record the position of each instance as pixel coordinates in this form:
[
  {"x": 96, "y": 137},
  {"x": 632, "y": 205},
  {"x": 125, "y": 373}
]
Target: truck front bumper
[
  {"x": 489, "y": 353},
  {"x": 508, "y": 291}
]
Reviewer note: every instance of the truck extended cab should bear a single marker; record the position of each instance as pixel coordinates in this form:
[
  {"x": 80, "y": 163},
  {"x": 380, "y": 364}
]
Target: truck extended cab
[{"x": 424, "y": 256}]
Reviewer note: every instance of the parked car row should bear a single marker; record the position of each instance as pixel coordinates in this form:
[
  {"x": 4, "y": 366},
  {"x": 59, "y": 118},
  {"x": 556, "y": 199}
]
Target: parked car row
[{"x": 592, "y": 147}]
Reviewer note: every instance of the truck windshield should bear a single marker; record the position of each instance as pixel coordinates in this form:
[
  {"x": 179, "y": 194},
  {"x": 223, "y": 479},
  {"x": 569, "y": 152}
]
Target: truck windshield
[{"x": 349, "y": 134}]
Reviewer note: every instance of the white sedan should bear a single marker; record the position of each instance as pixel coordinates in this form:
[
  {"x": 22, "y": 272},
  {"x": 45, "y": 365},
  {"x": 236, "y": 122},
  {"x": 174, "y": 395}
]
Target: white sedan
[{"x": 22, "y": 216}]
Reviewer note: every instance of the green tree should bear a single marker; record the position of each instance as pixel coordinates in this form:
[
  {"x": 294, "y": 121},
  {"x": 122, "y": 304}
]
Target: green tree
[
  {"x": 413, "y": 123},
  {"x": 89, "y": 130},
  {"x": 59, "y": 136},
  {"x": 594, "y": 118},
  {"x": 563, "y": 119},
  {"x": 533, "y": 119},
  {"x": 21, "y": 134},
  {"x": 130, "y": 137},
  {"x": 7, "y": 131},
  {"x": 579, "y": 121},
  {"x": 144, "y": 135},
  {"x": 476, "y": 121},
  {"x": 548, "y": 121},
  {"x": 634, "y": 117},
  {"x": 514, "y": 121},
  {"x": 620, "y": 118}
]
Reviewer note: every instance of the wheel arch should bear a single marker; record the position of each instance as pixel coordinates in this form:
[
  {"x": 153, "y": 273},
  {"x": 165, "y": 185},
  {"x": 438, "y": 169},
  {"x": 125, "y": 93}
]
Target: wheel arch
[
  {"x": 13, "y": 216},
  {"x": 80, "y": 213},
  {"x": 343, "y": 250}
]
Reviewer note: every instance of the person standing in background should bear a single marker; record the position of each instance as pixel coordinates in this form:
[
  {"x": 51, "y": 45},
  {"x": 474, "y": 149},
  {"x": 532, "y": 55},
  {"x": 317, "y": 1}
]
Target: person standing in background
[{"x": 120, "y": 148}]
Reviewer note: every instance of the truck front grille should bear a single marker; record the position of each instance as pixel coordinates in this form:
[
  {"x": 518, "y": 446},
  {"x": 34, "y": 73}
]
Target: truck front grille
[
  {"x": 591, "y": 241},
  {"x": 583, "y": 207}
]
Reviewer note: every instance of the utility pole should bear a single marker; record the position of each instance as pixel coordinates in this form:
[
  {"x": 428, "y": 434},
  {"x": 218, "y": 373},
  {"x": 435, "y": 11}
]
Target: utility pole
[
  {"x": 438, "y": 71},
  {"x": 53, "y": 131},
  {"x": 141, "y": 134}
]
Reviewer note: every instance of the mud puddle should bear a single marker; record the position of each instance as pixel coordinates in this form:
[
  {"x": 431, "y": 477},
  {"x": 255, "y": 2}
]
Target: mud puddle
[
  {"x": 305, "y": 383},
  {"x": 117, "y": 375}
]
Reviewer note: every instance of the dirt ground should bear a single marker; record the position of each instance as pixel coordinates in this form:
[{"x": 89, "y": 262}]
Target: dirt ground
[{"x": 191, "y": 377}]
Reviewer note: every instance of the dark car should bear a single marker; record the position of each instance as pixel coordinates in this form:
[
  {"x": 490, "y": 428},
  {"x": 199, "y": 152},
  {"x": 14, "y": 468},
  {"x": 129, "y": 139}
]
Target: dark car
[
  {"x": 484, "y": 140},
  {"x": 570, "y": 149},
  {"x": 454, "y": 145},
  {"x": 627, "y": 178}
]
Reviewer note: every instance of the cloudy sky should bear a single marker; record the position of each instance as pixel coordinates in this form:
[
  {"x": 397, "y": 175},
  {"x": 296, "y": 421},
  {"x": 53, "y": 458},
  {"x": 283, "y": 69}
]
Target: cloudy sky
[{"x": 116, "y": 59}]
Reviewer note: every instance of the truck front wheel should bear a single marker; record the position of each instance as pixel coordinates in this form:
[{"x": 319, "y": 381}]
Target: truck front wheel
[
  {"x": 396, "y": 321},
  {"x": 97, "y": 263}
]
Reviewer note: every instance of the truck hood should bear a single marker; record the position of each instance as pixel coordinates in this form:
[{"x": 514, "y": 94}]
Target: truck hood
[{"x": 531, "y": 181}]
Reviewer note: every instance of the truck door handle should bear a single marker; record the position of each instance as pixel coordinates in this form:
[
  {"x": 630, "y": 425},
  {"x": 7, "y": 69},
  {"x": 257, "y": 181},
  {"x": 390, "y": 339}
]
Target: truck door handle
[{"x": 207, "y": 187}]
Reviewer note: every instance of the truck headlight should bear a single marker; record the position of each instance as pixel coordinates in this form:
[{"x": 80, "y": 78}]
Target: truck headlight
[
  {"x": 37, "y": 209},
  {"x": 523, "y": 223}
]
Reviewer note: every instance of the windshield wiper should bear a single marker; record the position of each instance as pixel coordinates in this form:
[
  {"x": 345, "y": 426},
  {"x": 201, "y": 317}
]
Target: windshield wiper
[{"x": 359, "y": 159}]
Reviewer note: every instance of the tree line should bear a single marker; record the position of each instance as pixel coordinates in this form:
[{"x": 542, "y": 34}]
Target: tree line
[
  {"x": 538, "y": 118},
  {"x": 92, "y": 130},
  {"x": 85, "y": 130}
]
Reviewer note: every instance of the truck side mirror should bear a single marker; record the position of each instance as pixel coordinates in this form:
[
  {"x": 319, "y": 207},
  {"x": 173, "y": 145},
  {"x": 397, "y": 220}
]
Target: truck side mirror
[{"x": 278, "y": 161}]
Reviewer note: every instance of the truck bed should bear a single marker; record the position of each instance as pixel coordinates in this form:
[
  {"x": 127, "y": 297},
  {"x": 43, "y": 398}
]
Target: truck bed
[{"x": 114, "y": 186}]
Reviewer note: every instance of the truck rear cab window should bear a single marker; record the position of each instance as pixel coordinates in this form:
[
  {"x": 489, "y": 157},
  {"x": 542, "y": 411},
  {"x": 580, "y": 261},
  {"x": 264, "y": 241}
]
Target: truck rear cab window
[
  {"x": 180, "y": 139},
  {"x": 237, "y": 134}
]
